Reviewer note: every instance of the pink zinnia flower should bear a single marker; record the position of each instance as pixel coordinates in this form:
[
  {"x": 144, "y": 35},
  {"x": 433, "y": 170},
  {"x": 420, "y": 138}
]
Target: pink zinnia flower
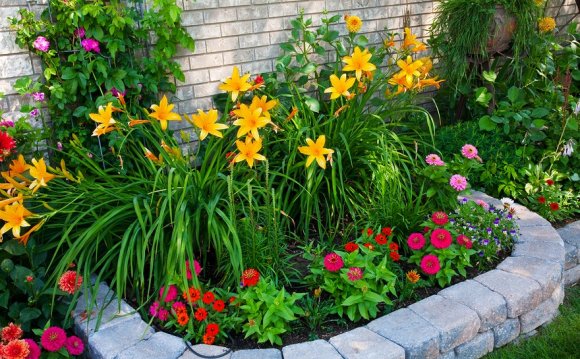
[
  {"x": 33, "y": 348},
  {"x": 41, "y": 44},
  {"x": 434, "y": 160},
  {"x": 469, "y": 151},
  {"x": 196, "y": 266},
  {"x": 441, "y": 238},
  {"x": 154, "y": 309},
  {"x": 163, "y": 314},
  {"x": 440, "y": 218},
  {"x": 171, "y": 294},
  {"x": 430, "y": 264},
  {"x": 354, "y": 274},
  {"x": 482, "y": 203},
  {"x": 458, "y": 182},
  {"x": 178, "y": 306},
  {"x": 91, "y": 45},
  {"x": 70, "y": 282},
  {"x": 333, "y": 262},
  {"x": 416, "y": 241},
  {"x": 74, "y": 345},
  {"x": 53, "y": 339},
  {"x": 464, "y": 241}
]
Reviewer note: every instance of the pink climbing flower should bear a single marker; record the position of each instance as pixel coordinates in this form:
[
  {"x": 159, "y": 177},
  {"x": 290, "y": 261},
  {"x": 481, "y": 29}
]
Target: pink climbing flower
[
  {"x": 458, "y": 182},
  {"x": 41, "y": 44},
  {"x": 91, "y": 45},
  {"x": 80, "y": 32}
]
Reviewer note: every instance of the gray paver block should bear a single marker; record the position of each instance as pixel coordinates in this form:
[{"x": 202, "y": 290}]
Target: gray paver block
[
  {"x": 159, "y": 346},
  {"x": 571, "y": 233},
  {"x": 506, "y": 332},
  {"x": 572, "y": 276},
  {"x": 571, "y": 255},
  {"x": 527, "y": 218},
  {"x": 489, "y": 305},
  {"x": 538, "y": 316},
  {"x": 108, "y": 343},
  {"x": 448, "y": 355},
  {"x": 257, "y": 354},
  {"x": 476, "y": 347},
  {"x": 406, "y": 328},
  {"x": 311, "y": 350},
  {"x": 520, "y": 293},
  {"x": 475, "y": 195},
  {"x": 361, "y": 343},
  {"x": 206, "y": 350},
  {"x": 540, "y": 234},
  {"x": 456, "y": 322},
  {"x": 548, "y": 274},
  {"x": 543, "y": 250}
]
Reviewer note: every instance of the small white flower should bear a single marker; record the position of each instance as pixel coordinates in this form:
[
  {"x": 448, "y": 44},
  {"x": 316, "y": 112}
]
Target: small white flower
[
  {"x": 507, "y": 201},
  {"x": 577, "y": 108},
  {"x": 568, "y": 147}
]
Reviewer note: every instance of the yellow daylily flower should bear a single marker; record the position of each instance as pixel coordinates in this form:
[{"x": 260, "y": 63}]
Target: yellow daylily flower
[
  {"x": 5, "y": 202},
  {"x": 249, "y": 151},
  {"x": 358, "y": 62},
  {"x": 400, "y": 80},
  {"x": 410, "y": 68},
  {"x": 105, "y": 120},
  {"x": 264, "y": 104},
  {"x": 427, "y": 66},
  {"x": 38, "y": 171},
  {"x": 339, "y": 86},
  {"x": 26, "y": 236},
  {"x": 316, "y": 151},
  {"x": 236, "y": 84},
  {"x": 411, "y": 40},
  {"x": 429, "y": 82},
  {"x": 162, "y": 113},
  {"x": 250, "y": 120},
  {"x": 207, "y": 123},
  {"x": 14, "y": 218},
  {"x": 136, "y": 122},
  {"x": 390, "y": 42}
]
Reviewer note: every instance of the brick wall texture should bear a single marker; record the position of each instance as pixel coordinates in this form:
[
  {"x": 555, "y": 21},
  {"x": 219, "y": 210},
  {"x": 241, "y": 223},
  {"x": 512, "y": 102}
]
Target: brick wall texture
[{"x": 246, "y": 33}]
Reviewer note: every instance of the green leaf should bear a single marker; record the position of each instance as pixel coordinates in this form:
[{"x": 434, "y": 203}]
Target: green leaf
[
  {"x": 486, "y": 124},
  {"x": 14, "y": 247},
  {"x": 286, "y": 46},
  {"x": 489, "y": 76},
  {"x": 373, "y": 297},
  {"x": 539, "y": 123},
  {"x": 431, "y": 192},
  {"x": 353, "y": 299},
  {"x": 537, "y": 136},
  {"x": 515, "y": 94},
  {"x": 540, "y": 112},
  {"x": 362, "y": 41},
  {"x": 482, "y": 96},
  {"x": 28, "y": 314},
  {"x": 4, "y": 299},
  {"x": 572, "y": 123},
  {"x": 312, "y": 104}
]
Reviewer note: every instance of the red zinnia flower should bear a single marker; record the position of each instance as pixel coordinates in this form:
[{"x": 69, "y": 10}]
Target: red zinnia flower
[
  {"x": 369, "y": 246},
  {"x": 350, "y": 247},
  {"x": 259, "y": 80},
  {"x": 250, "y": 277},
  {"x": 7, "y": 144},
  {"x": 554, "y": 206},
  {"x": 441, "y": 238},
  {"x": 208, "y": 298},
  {"x": 333, "y": 262},
  {"x": 387, "y": 231},
  {"x": 74, "y": 345},
  {"x": 416, "y": 241},
  {"x": 369, "y": 231},
  {"x": 70, "y": 282},
  {"x": 440, "y": 218},
  {"x": 200, "y": 314},
  {"x": 393, "y": 246},
  {"x": 395, "y": 256},
  {"x": 16, "y": 349},
  {"x": 542, "y": 199},
  {"x": 550, "y": 182},
  {"x": 219, "y": 305},
  {"x": 426, "y": 229},
  {"x": 380, "y": 239},
  {"x": 53, "y": 339},
  {"x": 430, "y": 264},
  {"x": 193, "y": 293},
  {"x": 232, "y": 299},
  {"x": 208, "y": 339},
  {"x": 212, "y": 329},
  {"x": 463, "y": 240},
  {"x": 11, "y": 332}
]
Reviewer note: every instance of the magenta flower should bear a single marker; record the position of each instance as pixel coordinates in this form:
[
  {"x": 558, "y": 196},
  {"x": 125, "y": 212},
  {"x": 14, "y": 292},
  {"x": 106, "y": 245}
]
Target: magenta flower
[
  {"x": 482, "y": 203},
  {"x": 163, "y": 314},
  {"x": 469, "y": 151},
  {"x": 41, "y": 44},
  {"x": 91, "y": 45},
  {"x": 154, "y": 309},
  {"x": 59, "y": 146},
  {"x": 38, "y": 96},
  {"x": 177, "y": 306},
  {"x": 34, "y": 349},
  {"x": 430, "y": 264},
  {"x": 416, "y": 241},
  {"x": 333, "y": 262},
  {"x": 458, "y": 182},
  {"x": 74, "y": 345},
  {"x": 196, "y": 267},
  {"x": 464, "y": 241},
  {"x": 171, "y": 294},
  {"x": 53, "y": 339},
  {"x": 80, "y": 32},
  {"x": 354, "y": 274},
  {"x": 434, "y": 160},
  {"x": 7, "y": 123},
  {"x": 34, "y": 113},
  {"x": 440, "y": 218},
  {"x": 441, "y": 238},
  {"x": 116, "y": 92}
]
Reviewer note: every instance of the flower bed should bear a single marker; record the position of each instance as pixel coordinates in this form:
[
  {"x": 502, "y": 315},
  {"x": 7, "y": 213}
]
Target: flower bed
[{"x": 467, "y": 319}]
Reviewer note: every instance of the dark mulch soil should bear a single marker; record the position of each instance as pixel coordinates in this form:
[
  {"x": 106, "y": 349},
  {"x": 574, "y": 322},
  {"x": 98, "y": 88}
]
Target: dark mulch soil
[{"x": 563, "y": 223}]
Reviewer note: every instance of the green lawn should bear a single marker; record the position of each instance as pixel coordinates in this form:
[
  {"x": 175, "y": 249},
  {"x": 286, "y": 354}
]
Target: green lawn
[{"x": 559, "y": 340}]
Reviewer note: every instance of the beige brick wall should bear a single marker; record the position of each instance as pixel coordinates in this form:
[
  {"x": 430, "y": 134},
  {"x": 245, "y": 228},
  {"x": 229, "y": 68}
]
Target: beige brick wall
[{"x": 245, "y": 33}]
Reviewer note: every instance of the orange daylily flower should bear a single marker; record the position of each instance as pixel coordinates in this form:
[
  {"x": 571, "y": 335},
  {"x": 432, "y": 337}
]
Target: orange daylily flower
[
  {"x": 249, "y": 151},
  {"x": 105, "y": 120},
  {"x": 162, "y": 113},
  {"x": 38, "y": 171},
  {"x": 14, "y": 217},
  {"x": 207, "y": 123},
  {"x": 358, "y": 62},
  {"x": 339, "y": 86},
  {"x": 316, "y": 151},
  {"x": 236, "y": 84},
  {"x": 250, "y": 120}
]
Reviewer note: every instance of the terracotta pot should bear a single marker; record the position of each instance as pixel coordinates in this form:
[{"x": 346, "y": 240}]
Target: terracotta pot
[{"x": 501, "y": 30}]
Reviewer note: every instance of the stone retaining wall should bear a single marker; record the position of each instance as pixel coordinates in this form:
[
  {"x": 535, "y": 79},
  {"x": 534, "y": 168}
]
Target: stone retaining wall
[{"x": 466, "y": 320}]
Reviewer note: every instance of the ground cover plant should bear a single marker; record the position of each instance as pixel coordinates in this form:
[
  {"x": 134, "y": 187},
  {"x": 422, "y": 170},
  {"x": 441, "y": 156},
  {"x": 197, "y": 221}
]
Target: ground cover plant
[{"x": 315, "y": 192}]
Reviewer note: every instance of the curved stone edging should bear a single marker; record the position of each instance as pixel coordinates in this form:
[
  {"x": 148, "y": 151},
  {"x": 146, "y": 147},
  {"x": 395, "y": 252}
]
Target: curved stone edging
[{"x": 466, "y": 320}]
